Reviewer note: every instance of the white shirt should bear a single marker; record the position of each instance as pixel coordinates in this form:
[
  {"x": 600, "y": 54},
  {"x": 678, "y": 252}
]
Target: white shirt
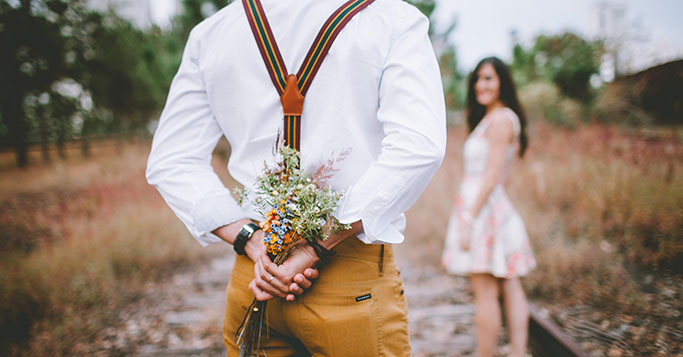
[{"x": 378, "y": 94}]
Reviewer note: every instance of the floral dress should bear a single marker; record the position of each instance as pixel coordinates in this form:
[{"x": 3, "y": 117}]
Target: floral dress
[{"x": 499, "y": 244}]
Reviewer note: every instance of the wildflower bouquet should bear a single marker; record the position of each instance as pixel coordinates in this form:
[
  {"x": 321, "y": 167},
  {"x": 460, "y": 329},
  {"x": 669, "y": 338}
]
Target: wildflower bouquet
[{"x": 296, "y": 206}]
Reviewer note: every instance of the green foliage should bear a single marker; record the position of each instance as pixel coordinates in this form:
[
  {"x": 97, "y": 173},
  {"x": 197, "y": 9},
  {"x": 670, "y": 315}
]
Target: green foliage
[
  {"x": 570, "y": 61},
  {"x": 30, "y": 60},
  {"x": 524, "y": 68},
  {"x": 542, "y": 100},
  {"x": 125, "y": 72},
  {"x": 194, "y": 11},
  {"x": 425, "y": 6},
  {"x": 567, "y": 60}
]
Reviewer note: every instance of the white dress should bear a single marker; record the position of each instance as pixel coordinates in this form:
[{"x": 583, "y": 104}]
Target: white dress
[{"x": 499, "y": 244}]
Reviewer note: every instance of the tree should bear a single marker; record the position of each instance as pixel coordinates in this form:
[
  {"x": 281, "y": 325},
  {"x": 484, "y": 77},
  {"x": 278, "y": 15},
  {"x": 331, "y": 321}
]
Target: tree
[
  {"x": 30, "y": 60},
  {"x": 570, "y": 61},
  {"x": 122, "y": 71},
  {"x": 566, "y": 59},
  {"x": 194, "y": 11}
]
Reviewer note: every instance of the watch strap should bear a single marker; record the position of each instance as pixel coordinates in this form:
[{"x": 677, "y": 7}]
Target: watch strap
[{"x": 322, "y": 252}]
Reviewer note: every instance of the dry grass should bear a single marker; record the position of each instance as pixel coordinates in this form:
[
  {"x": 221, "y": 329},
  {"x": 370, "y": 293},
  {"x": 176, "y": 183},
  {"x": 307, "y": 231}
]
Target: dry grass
[
  {"x": 80, "y": 239},
  {"x": 601, "y": 206}
]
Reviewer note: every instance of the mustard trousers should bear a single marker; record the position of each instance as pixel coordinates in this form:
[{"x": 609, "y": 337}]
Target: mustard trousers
[{"x": 355, "y": 308}]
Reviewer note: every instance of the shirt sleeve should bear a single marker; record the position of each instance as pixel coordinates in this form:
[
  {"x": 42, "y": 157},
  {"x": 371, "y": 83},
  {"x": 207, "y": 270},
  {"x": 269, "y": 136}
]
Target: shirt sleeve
[
  {"x": 413, "y": 116},
  {"x": 179, "y": 164}
]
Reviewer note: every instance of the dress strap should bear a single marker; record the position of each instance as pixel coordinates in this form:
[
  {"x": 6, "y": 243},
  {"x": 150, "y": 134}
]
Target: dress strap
[
  {"x": 516, "y": 126},
  {"x": 293, "y": 88},
  {"x": 508, "y": 113}
]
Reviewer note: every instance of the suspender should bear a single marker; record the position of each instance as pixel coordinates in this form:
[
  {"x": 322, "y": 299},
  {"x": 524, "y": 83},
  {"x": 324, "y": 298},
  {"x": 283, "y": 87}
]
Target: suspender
[{"x": 292, "y": 88}]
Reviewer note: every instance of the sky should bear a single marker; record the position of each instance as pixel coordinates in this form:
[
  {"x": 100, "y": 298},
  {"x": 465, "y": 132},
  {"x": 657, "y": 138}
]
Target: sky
[{"x": 483, "y": 26}]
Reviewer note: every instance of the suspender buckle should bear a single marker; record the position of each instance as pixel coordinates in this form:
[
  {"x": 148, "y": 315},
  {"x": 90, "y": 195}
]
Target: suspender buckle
[{"x": 292, "y": 100}]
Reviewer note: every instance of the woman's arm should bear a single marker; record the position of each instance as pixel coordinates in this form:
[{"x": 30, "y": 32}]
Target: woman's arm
[{"x": 499, "y": 135}]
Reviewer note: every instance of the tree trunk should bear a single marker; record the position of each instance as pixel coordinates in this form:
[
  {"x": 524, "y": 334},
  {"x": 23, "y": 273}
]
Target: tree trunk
[
  {"x": 17, "y": 126},
  {"x": 17, "y": 132},
  {"x": 61, "y": 138},
  {"x": 44, "y": 133},
  {"x": 85, "y": 139}
]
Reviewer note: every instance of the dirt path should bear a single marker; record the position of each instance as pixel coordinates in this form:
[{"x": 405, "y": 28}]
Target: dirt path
[{"x": 183, "y": 317}]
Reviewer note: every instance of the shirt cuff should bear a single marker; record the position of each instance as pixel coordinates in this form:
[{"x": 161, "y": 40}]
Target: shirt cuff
[
  {"x": 374, "y": 232},
  {"x": 212, "y": 212},
  {"x": 206, "y": 239}
]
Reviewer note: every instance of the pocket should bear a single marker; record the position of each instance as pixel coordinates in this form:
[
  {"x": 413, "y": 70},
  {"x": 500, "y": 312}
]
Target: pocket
[
  {"x": 344, "y": 323},
  {"x": 393, "y": 317}
]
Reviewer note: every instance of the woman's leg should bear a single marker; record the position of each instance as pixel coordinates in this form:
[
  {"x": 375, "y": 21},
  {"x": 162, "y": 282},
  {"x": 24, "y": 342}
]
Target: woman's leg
[
  {"x": 487, "y": 313},
  {"x": 517, "y": 312}
]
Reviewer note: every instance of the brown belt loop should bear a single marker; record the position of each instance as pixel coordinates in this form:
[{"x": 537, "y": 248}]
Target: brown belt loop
[{"x": 381, "y": 260}]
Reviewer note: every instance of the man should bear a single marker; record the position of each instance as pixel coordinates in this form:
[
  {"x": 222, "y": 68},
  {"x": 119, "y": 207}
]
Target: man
[{"x": 377, "y": 96}]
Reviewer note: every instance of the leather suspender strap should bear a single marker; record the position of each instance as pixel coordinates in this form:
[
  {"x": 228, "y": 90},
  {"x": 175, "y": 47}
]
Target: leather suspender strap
[
  {"x": 326, "y": 36},
  {"x": 292, "y": 88}
]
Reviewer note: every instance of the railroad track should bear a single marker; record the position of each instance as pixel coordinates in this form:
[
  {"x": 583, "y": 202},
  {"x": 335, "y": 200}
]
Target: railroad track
[{"x": 546, "y": 339}]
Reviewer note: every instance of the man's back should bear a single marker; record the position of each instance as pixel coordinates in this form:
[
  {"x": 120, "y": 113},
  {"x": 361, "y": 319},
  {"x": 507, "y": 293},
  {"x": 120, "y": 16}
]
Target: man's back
[
  {"x": 377, "y": 89},
  {"x": 377, "y": 97}
]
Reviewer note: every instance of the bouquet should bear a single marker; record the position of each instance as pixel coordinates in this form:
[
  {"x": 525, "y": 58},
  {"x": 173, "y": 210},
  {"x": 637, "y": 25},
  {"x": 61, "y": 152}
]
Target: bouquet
[{"x": 296, "y": 205}]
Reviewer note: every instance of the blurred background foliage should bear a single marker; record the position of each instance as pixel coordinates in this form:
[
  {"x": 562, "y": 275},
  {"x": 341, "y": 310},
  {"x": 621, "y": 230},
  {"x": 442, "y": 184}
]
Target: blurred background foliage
[
  {"x": 78, "y": 74},
  {"x": 68, "y": 72}
]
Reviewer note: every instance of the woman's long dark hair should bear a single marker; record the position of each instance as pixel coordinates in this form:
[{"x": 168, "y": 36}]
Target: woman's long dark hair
[{"x": 508, "y": 96}]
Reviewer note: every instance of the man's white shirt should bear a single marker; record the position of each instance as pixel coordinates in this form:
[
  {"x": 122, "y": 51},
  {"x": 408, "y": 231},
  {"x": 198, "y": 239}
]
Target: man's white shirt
[{"x": 378, "y": 96}]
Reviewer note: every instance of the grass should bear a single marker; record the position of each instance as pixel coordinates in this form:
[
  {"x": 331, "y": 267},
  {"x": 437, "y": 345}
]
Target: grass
[
  {"x": 80, "y": 239},
  {"x": 618, "y": 190}
]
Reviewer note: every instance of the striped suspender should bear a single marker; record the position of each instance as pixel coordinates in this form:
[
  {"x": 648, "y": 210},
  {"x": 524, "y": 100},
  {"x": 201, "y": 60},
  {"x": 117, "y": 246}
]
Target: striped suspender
[{"x": 292, "y": 88}]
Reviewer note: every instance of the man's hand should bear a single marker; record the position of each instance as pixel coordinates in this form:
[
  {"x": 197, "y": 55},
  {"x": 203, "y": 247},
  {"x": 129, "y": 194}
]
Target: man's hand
[
  {"x": 263, "y": 287},
  {"x": 292, "y": 277}
]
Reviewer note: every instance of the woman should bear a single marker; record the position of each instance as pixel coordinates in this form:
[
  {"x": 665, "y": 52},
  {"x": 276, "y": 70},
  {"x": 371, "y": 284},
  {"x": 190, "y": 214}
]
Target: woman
[{"x": 486, "y": 237}]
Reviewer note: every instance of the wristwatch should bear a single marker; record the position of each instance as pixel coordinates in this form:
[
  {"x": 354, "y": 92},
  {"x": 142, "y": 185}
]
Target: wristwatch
[{"x": 243, "y": 237}]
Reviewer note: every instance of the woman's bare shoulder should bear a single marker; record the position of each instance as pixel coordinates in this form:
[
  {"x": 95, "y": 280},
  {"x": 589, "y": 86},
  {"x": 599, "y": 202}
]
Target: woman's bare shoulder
[{"x": 500, "y": 128}]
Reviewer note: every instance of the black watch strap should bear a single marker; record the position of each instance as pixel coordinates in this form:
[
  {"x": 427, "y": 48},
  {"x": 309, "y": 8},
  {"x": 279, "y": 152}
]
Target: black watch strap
[
  {"x": 243, "y": 237},
  {"x": 322, "y": 252}
]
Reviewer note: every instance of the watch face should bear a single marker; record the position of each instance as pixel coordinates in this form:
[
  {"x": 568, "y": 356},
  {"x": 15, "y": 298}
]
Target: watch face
[{"x": 249, "y": 228}]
